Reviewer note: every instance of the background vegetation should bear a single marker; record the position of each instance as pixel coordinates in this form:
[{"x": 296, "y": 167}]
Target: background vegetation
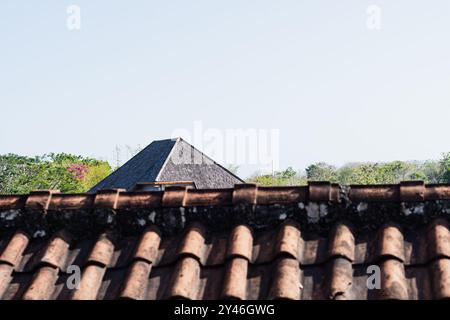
[
  {"x": 66, "y": 172},
  {"x": 72, "y": 173},
  {"x": 433, "y": 171}
]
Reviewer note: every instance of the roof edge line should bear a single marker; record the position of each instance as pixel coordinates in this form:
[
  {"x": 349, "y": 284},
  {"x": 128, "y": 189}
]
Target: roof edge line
[
  {"x": 215, "y": 162},
  {"x": 167, "y": 158}
]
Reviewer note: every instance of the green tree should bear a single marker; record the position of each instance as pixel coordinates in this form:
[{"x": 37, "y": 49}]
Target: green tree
[
  {"x": 431, "y": 171},
  {"x": 288, "y": 177},
  {"x": 445, "y": 168},
  {"x": 68, "y": 173},
  {"x": 321, "y": 172}
]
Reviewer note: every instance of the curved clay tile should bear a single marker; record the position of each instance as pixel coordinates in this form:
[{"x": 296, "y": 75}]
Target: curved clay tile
[
  {"x": 438, "y": 236},
  {"x": 53, "y": 259},
  {"x": 5, "y": 277},
  {"x": 148, "y": 246},
  {"x": 393, "y": 281},
  {"x": 135, "y": 285},
  {"x": 391, "y": 243},
  {"x": 240, "y": 242},
  {"x": 288, "y": 240},
  {"x": 42, "y": 285},
  {"x": 440, "y": 272},
  {"x": 185, "y": 279},
  {"x": 235, "y": 281},
  {"x": 92, "y": 277},
  {"x": 342, "y": 242},
  {"x": 434, "y": 192},
  {"x": 341, "y": 278},
  {"x": 103, "y": 251},
  {"x": 193, "y": 242},
  {"x": 286, "y": 280},
  {"x": 90, "y": 283},
  {"x": 57, "y": 250},
  {"x": 15, "y": 249}
]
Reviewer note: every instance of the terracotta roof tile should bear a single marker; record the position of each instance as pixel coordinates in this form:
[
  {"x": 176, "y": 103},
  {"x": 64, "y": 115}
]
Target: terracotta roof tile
[
  {"x": 40, "y": 200},
  {"x": 56, "y": 251},
  {"x": 289, "y": 240},
  {"x": 148, "y": 246},
  {"x": 439, "y": 240},
  {"x": 286, "y": 280},
  {"x": 185, "y": 279},
  {"x": 245, "y": 194},
  {"x": 90, "y": 283},
  {"x": 15, "y": 249},
  {"x": 313, "y": 242},
  {"x": 5, "y": 277},
  {"x": 240, "y": 242},
  {"x": 174, "y": 197},
  {"x": 391, "y": 243},
  {"x": 194, "y": 242},
  {"x": 266, "y": 195},
  {"x": 341, "y": 279},
  {"x": 42, "y": 286},
  {"x": 196, "y": 197},
  {"x": 103, "y": 251},
  {"x": 393, "y": 280},
  {"x": 342, "y": 242},
  {"x": 235, "y": 281},
  {"x": 108, "y": 199},
  {"x": 135, "y": 286},
  {"x": 412, "y": 191},
  {"x": 440, "y": 270},
  {"x": 12, "y": 202}
]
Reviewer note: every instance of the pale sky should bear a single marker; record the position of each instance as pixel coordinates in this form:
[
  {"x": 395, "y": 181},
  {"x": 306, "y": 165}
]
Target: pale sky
[{"x": 139, "y": 70}]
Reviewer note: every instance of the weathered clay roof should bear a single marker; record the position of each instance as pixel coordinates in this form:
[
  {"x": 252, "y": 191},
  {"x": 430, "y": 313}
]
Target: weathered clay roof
[{"x": 247, "y": 242}]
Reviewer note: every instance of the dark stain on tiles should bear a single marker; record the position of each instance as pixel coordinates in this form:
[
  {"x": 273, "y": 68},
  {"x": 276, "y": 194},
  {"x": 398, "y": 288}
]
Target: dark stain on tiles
[{"x": 251, "y": 242}]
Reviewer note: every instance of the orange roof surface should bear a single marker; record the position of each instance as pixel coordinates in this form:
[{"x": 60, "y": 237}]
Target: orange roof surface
[{"x": 247, "y": 242}]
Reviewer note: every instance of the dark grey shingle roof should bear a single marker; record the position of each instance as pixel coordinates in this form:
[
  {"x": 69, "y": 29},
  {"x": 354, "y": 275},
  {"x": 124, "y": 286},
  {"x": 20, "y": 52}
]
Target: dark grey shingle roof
[
  {"x": 170, "y": 160},
  {"x": 145, "y": 166},
  {"x": 196, "y": 166}
]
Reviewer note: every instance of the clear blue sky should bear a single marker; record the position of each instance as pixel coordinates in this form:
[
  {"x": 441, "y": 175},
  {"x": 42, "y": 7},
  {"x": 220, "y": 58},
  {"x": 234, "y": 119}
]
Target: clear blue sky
[{"x": 138, "y": 70}]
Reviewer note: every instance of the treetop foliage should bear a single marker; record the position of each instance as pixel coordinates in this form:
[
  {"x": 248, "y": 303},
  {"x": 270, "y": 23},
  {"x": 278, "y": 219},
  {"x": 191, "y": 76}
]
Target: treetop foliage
[
  {"x": 66, "y": 172},
  {"x": 432, "y": 171},
  {"x": 72, "y": 173}
]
